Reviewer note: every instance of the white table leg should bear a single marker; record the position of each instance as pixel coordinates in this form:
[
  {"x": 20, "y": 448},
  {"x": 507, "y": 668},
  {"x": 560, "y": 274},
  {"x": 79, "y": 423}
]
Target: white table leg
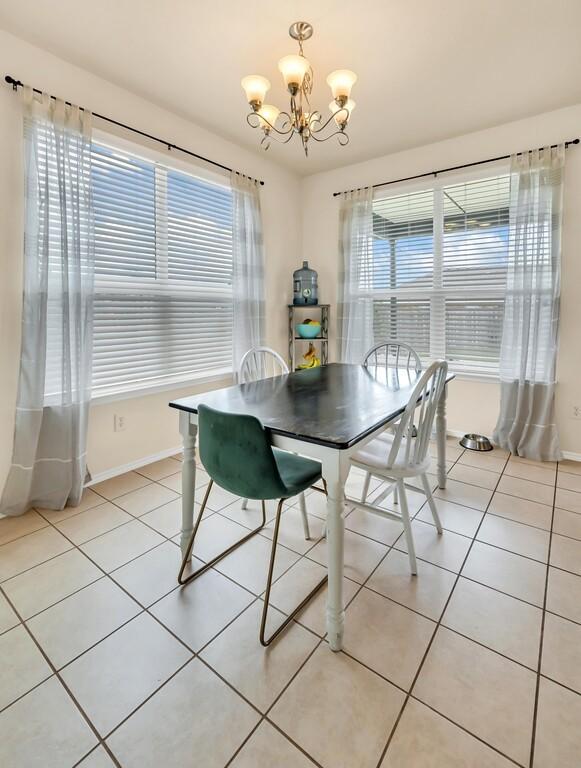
[
  {"x": 441, "y": 437},
  {"x": 189, "y": 430},
  {"x": 335, "y": 471}
]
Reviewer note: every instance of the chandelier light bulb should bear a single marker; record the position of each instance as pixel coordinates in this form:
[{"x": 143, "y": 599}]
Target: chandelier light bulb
[
  {"x": 342, "y": 117},
  {"x": 255, "y": 88},
  {"x": 268, "y": 115},
  {"x": 341, "y": 81},
  {"x": 293, "y": 69}
]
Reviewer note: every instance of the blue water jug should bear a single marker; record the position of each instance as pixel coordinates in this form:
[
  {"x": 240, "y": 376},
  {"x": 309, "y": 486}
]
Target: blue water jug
[{"x": 305, "y": 290}]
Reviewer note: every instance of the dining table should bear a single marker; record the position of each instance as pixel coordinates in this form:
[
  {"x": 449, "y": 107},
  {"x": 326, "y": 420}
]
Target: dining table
[{"x": 327, "y": 414}]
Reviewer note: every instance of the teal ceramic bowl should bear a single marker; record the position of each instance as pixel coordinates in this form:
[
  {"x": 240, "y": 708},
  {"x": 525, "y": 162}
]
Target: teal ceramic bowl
[{"x": 308, "y": 331}]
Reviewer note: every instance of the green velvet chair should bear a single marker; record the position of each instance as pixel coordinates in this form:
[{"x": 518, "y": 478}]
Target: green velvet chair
[{"x": 237, "y": 455}]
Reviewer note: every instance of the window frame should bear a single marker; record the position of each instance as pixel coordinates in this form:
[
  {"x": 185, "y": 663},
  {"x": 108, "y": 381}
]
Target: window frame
[
  {"x": 157, "y": 286},
  {"x": 436, "y": 294}
]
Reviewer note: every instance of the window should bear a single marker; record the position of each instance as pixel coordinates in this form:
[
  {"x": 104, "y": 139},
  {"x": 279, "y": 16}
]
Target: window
[
  {"x": 163, "y": 273},
  {"x": 438, "y": 271}
]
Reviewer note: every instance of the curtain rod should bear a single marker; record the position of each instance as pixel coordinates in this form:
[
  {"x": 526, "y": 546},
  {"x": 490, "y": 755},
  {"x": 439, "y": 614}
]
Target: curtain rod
[
  {"x": 17, "y": 83},
  {"x": 445, "y": 170}
]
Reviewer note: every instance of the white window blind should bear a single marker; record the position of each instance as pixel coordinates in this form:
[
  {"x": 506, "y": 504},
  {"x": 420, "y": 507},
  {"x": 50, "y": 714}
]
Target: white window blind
[
  {"x": 163, "y": 263},
  {"x": 438, "y": 270}
]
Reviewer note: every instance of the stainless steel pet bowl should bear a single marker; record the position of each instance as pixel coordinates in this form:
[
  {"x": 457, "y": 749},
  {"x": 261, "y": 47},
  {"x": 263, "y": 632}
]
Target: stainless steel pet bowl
[{"x": 476, "y": 442}]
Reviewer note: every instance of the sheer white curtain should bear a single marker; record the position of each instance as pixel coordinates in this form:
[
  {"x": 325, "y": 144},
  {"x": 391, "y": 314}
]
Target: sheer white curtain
[
  {"x": 526, "y": 424},
  {"x": 49, "y": 461},
  {"x": 247, "y": 268},
  {"x": 355, "y": 306}
]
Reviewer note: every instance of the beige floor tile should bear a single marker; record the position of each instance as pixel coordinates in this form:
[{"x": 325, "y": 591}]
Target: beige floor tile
[
  {"x": 13, "y": 527},
  {"x": 259, "y": 674},
  {"x": 145, "y": 499},
  {"x": 174, "y": 482},
  {"x": 566, "y": 554},
  {"x": 467, "y": 495},
  {"x": 198, "y": 611},
  {"x": 355, "y": 482},
  {"x": 561, "y": 659},
  {"x": 569, "y": 482},
  {"x": 251, "y": 517},
  {"x": 317, "y": 504},
  {"x": 361, "y": 555},
  {"x": 386, "y": 637},
  {"x": 75, "y": 624},
  {"x": 416, "y": 499},
  {"x": 567, "y": 523},
  {"x": 44, "y": 730},
  {"x": 570, "y": 467},
  {"x": 131, "y": 662},
  {"x": 207, "y": 724},
  {"x": 218, "y": 498},
  {"x": 516, "y": 537},
  {"x": 267, "y": 748},
  {"x": 248, "y": 565},
  {"x": 558, "y": 735},
  {"x": 538, "y": 472},
  {"x": 296, "y": 583},
  {"x": 291, "y": 533},
  {"x": 8, "y": 618},
  {"x": 426, "y": 593},
  {"x": 215, "y": 534},
  {"x": 492, "y": 463},
  {"x": 30, "y": 550},
  {"x": 489, "y": 695},
  {"x": 446, "y": 550},
  {"x": 87, "y": 525},
  {"x": 474, "y": 476},
  {"x": 533, "y": 462},
  {"x": 424, "y": 739},
  {"x": 500, "y": 622},
  {"x": 568, "y": 500},
  {"x": 380, "y": 529},
  {"x": 97, "y": 759},
  {"x": 454, "y": 517},
  {"x": 338, "y": 711},
  {"x": 89, "y": 499},
  {"x": 160, "y": 469},
  {"x": 521, "y": 510},
  {"x": 526, "y": 489},
  {"x": 41, "y": 587},
  {"x": 153, "y": 575},
  {"x": 515, "y": 575},
  {"x": 121, "y": 545},
  {"x": 564, "y": 594},
  {"x": 453, "y": 451},
  {"x": 22, "y": 665},
  {"x": 120, "y": 485},
  {"x": 167, "y": 519}
]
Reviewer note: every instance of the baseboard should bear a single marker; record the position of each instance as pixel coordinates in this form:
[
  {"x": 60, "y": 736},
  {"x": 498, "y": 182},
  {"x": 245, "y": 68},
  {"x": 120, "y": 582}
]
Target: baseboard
[
  {"x": 572, "y": 456},
  {"x": 114, "y": 471}
]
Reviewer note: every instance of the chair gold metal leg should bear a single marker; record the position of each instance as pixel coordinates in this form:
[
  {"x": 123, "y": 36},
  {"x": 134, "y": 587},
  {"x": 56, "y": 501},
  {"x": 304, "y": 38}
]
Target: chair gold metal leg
[
  {"x": 264, "y": 640},
  {"x": 218, "y": 557}
]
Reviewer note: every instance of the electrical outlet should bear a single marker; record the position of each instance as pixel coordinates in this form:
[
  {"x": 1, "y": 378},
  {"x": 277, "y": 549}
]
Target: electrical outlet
[
  {"x": 576, "y": 412},
  {"x": 119, "y": 423}
]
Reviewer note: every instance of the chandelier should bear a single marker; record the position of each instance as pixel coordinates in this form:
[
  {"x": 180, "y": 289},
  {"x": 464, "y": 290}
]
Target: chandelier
[{"x": 301, "y": 120}]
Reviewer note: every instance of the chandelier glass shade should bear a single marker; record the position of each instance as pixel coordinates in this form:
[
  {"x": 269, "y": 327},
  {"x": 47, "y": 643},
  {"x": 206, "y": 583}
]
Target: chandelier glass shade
[{"x": 301, "y": 120}]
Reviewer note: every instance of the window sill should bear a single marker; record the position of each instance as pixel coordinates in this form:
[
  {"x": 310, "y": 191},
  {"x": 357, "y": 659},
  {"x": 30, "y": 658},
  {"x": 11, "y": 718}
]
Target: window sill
[
  {"x": 133, "y": 391},
  {"x": 464, "y": 375}
]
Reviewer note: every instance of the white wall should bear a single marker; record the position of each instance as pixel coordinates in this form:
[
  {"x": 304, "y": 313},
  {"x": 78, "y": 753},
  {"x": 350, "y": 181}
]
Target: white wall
[
  {"x": 473, "y": 405},
  {"x": 152, "y": 427}
]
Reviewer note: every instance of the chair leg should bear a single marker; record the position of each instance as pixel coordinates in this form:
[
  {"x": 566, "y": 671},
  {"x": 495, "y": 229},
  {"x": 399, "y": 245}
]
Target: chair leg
[
  {"x": 395, "y": 497},
  {"x": 244, "y": 503},
  {"x": 231, "y": 548},
  {"x": 263, "y": 639},
  {"x": 305, "y": 517},
  {"x": 405, "y": 516},
  {"x": 431, "y": 503},
  {"x": 366, "y": 486}
]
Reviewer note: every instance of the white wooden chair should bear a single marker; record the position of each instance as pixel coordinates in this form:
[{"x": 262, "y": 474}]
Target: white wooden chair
[
  {"x": 393, "y": 363},
  {"x": 263, "y": 363},
  {"x": 402, "y": 456}
]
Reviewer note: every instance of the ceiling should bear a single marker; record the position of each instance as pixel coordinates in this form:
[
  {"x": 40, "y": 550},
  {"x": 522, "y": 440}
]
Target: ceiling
[{"x": 428, "y": 69}]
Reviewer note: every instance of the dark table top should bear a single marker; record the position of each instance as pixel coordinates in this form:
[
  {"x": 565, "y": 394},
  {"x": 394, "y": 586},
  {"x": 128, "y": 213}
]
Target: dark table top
[{"x": 336, "y": 405}]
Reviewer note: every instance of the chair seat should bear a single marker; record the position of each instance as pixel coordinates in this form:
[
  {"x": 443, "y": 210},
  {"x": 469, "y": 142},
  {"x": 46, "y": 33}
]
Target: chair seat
[
  {"x": 296, "y": 472},
  {"x": 376, "y": 452}
]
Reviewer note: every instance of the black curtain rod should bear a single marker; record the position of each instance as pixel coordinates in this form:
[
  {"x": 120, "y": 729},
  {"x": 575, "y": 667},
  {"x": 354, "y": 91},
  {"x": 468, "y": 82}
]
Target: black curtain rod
[
  {"x": 445, "y": 170},
  {"x": 17, "y": 83}
]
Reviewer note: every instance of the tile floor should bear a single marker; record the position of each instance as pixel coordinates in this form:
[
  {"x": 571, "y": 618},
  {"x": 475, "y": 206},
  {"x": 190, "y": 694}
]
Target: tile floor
[{"x": 475, "y": 662}]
